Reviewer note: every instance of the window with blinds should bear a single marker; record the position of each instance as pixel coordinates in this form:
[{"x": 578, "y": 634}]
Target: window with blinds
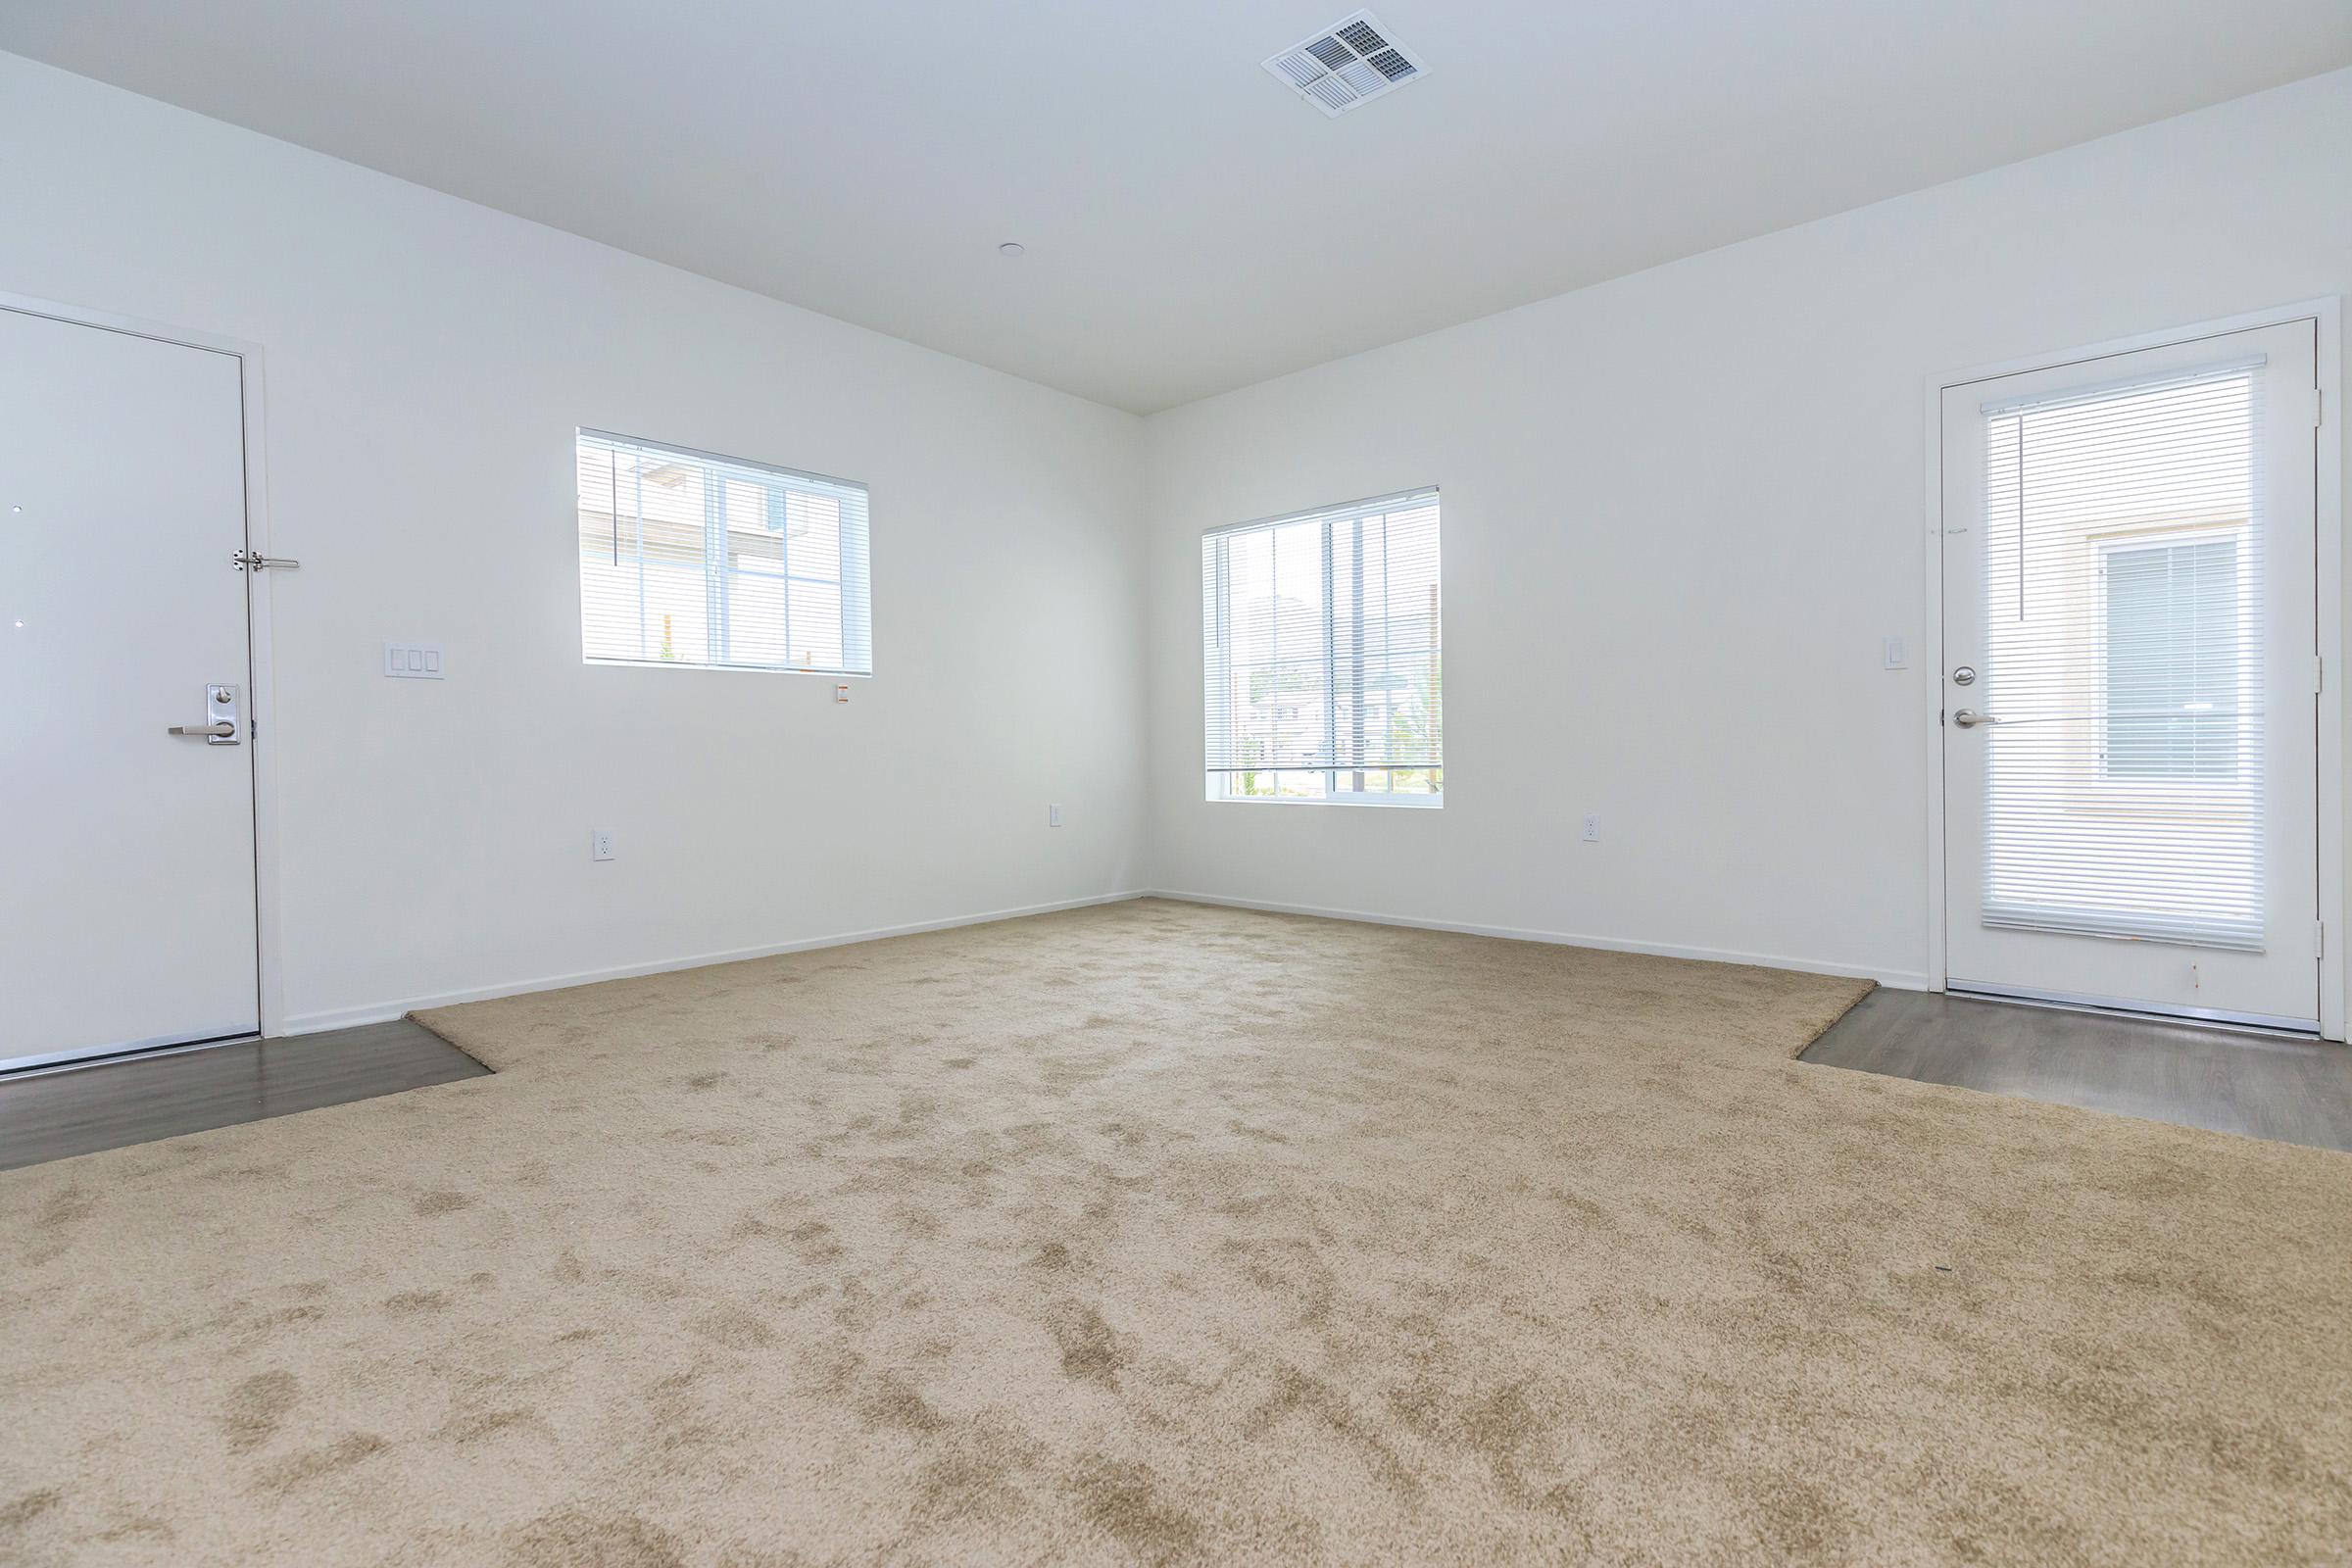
[
  {"x": 687, "y": 558},
  {"x": 2122, "y": 584},
  {"x": 1323, "y": 665}
]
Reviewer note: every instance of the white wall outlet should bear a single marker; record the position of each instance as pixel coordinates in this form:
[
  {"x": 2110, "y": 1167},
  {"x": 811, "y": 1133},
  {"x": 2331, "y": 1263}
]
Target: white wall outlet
[
  {"x": 1591, "y": 827},
  {"x": 1052, "y": 816},
  {"x": 841, "y": 694},
  {"x": 412, "y": 660},
  {"x": 600, "y": 843},
  {"x": 1897, "y": 654}
]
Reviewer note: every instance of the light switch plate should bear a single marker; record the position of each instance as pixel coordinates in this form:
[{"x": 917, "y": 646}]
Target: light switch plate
[
  {"x": 1897, "y": 654},
  {"x": 412, "y": 660}
]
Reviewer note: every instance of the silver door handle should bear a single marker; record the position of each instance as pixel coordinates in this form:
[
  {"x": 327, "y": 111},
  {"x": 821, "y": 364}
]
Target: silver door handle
[
  {"x": 220, "y": 708},
  {"x": 1969, "y": 718}
]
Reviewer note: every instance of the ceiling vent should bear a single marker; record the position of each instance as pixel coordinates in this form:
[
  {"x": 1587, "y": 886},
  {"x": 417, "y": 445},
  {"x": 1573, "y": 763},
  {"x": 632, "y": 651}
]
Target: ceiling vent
[{"x": 1347, "y": 64}]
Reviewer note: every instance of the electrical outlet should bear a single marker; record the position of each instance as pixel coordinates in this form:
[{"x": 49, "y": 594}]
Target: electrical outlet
[
  {"x": 600, "y": 843},
  {"x": 1052, "y": 816},
  {"x": 841, "y": 694},
  {"x": 1591, "y": 827}
]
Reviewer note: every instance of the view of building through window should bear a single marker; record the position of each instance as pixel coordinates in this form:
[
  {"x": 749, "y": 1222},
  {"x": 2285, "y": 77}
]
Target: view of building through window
[{"x": 689, "y": 559}]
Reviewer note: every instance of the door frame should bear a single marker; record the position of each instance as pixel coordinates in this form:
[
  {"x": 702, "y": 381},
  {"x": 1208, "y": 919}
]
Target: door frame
[
  {"x": 2337, "y": 685},
  {"x": 261, "y": 686}
]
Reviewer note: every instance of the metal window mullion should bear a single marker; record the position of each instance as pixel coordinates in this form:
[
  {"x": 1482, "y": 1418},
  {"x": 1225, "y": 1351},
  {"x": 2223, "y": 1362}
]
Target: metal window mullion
[
  {"x": 1225, "y": 652},
  {"x": 1274, "y": 597},
  {"x": 783, "y": 528},
  {"x": 1330, "y": 682},
  {"x": 1388, "y": 640},
  {"x": 1355, "y": 638},
  {"x": 715, "y": 566},
  {"x": 637, "y": 472}
]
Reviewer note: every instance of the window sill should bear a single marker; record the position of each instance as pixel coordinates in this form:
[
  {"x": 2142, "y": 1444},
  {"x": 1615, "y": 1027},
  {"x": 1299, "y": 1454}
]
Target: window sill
[
  {"x": 1378, "y": 803},
  {"x": 727, "y": 670}
]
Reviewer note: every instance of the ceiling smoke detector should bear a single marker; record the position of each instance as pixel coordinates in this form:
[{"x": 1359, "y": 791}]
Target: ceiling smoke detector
[{"x": 1346, "y": 65}]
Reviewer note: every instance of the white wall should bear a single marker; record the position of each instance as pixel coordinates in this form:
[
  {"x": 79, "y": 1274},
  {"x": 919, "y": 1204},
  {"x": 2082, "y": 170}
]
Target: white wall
[
  {"x": 427, "y": 361},
  {"x": 1680, "y": 511}
]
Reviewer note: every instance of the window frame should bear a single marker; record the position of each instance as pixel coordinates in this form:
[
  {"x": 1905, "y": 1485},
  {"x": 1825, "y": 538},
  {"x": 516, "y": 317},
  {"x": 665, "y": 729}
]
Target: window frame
[
  {"x": 1218, "y": 782},
  {"x": 857, "y": 633}
]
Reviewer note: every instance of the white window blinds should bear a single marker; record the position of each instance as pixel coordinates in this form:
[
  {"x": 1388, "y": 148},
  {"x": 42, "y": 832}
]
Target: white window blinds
[
  {"x": 1320, "y": 639},
  {"x": 687, "y": 558},
  {"x": 2123, "y": 585}
]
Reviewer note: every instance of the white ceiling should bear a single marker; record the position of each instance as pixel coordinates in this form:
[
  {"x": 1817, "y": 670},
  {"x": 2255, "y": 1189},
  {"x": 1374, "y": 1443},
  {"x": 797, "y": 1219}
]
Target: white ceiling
[{"x": 1190, "y": 224}]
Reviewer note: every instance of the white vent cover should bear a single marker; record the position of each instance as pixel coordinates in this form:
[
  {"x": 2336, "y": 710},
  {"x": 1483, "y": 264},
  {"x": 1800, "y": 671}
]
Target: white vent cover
[{"x": 1346, "y": 65}]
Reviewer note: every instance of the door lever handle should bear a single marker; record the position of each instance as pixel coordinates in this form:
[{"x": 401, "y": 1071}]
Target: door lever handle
[
  {"x": 1969, "y": 718},
  {"x": 220, "y": 706}
]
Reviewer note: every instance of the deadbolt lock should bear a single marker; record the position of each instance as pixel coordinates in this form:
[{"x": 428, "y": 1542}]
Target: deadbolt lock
[{"x": 1965, "y": 675}]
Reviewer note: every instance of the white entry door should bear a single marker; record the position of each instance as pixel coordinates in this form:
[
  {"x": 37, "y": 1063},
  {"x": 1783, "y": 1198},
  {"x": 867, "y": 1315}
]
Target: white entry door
[
  {"x": 129, "y": 919},
  {"x": 2131, "y": 680}
]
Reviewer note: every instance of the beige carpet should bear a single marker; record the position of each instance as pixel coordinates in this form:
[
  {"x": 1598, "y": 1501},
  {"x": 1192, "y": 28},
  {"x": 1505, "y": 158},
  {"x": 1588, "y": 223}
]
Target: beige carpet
[{"x": 1165, "y": 1233}]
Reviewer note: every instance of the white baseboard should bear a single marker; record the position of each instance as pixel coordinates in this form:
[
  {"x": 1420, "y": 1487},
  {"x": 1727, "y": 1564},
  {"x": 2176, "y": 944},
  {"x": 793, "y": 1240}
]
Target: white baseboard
[
  {"x": 311, "y": 1023},
  {"x": 379, "y": 1012},
  {"x": 1899, "y": 979}
]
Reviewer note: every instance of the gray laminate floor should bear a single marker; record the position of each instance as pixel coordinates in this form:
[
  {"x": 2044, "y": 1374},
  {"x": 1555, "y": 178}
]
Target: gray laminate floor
[
  {"x": 2299, "y": 1092},
  {"x": 51, "y": 1115},
  {"x": 2266, "y": 1087}
]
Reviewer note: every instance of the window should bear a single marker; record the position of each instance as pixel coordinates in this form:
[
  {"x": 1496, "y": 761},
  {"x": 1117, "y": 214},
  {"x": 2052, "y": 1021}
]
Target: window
[
  {"x": 2174, "y": 651},
  {"x": 2124, "y": 788},
  {"x": 691, "y": 559},
  {"x": 1322, "y": 663}
]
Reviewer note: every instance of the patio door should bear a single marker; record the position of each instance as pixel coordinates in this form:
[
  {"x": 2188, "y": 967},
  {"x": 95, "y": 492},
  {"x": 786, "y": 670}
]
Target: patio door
[{"x": 2130, "y": 680}]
